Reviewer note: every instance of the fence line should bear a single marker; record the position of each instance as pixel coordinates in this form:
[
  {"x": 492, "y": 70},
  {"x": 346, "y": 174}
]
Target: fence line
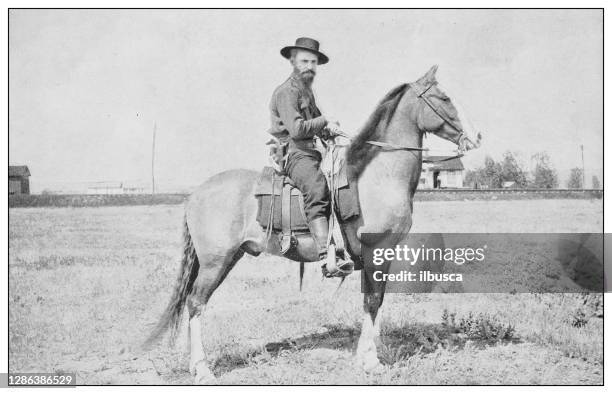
[{"x": 98, "y": 200}]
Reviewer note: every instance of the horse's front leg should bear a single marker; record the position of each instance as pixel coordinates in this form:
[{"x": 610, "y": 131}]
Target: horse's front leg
[
  {"x": 374, "y": 292},
  {"x": 367, "y": 354}
]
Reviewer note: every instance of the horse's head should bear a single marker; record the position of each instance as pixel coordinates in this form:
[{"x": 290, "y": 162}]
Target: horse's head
[{"x": 438, "y": 115}]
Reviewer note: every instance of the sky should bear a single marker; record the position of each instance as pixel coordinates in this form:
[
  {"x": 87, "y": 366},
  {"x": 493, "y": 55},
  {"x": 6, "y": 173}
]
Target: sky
[{"x": 86, "y": 87}]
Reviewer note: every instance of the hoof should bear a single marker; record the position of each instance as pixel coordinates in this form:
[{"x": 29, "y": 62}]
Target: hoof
[
  {"x": 369, "y": 362},
  {"x": 204, "y": 379},
  {"x": 202, "y": 374}
]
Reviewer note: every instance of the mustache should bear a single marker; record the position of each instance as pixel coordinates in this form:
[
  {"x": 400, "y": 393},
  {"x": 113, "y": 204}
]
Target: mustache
[{"x": 308, "y": 72}]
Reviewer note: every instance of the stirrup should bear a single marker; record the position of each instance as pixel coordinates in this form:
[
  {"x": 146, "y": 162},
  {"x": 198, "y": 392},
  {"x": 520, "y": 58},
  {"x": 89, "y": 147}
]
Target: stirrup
[{"x": 332, "y": 269}]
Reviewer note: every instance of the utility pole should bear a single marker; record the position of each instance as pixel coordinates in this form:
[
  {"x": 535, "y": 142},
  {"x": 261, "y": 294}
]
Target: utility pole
[
  {"x": 583, "y": 175},
  {"x": 153, "y": 160}
]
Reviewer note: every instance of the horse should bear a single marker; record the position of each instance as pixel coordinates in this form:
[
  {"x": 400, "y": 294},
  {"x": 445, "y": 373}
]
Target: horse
[{"x": 384, "y": 163}]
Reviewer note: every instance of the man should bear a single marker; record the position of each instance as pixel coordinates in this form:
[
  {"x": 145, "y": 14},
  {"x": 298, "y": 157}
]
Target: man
[{"x": 297, "y": 121}]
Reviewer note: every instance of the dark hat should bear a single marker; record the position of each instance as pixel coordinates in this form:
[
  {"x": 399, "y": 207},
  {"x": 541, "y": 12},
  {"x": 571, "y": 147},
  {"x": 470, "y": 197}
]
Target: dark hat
[{"x": 307, "y": 44}]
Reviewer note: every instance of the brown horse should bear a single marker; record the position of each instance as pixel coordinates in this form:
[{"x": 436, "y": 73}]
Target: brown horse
[{"x": 220, "y": 216}]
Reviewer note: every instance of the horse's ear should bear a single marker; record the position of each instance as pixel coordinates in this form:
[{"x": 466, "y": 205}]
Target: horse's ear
[{"x": 430, "y": 76}]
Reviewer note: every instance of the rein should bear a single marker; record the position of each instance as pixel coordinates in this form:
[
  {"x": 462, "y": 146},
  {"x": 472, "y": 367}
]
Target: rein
[
  {"x": 385, "y": 146},
  {"x": 393, "y": 147},
  {"x": 389, "y": 147}
]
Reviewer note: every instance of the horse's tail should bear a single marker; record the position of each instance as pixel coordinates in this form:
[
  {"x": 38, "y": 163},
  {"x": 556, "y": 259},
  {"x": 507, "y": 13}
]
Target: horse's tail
[{"x": 171, "y": 318}]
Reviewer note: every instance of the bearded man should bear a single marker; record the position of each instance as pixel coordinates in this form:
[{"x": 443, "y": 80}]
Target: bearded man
[{"x": 297, "y": 120}]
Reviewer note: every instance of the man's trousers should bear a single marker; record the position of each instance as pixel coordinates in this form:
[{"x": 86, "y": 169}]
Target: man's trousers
[{"x": 303, "y": 167}]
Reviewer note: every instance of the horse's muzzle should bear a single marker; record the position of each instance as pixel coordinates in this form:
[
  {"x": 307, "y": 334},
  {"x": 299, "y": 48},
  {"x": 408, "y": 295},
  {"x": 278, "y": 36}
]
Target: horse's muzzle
[{"x": 466, "y": 144}]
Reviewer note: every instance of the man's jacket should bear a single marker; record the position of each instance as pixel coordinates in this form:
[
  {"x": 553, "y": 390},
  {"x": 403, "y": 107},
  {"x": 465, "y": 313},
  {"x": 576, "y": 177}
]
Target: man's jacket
[{"x": 294, "y": 115}]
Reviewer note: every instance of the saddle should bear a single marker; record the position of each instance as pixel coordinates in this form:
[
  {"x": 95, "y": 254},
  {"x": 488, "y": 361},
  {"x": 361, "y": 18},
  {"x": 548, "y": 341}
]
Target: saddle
[
  {"x": 281, "y": 203},
  {"x": 287, "y": 208}
]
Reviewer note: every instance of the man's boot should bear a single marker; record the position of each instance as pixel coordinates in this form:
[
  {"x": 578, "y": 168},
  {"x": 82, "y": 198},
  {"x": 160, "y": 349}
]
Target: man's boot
[{"x": 319, "y": 227}]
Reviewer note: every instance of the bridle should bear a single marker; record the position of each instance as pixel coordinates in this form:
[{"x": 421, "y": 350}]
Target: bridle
[{"x": 437, "y": 112}]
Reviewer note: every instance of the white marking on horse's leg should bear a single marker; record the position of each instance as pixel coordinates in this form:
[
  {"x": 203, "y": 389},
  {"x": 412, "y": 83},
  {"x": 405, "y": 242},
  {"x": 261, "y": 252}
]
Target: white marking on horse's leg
[
  {"x": 197, "y": 364},
  {"x": 377, "y": 325},
  {"x": 366, "y": 347}
]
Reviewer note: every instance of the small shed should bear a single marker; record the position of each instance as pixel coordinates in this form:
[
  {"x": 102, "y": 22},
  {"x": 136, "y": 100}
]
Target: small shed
[
  {"x": 19, "y": 180},
  {"x": 441, "y": 172}
]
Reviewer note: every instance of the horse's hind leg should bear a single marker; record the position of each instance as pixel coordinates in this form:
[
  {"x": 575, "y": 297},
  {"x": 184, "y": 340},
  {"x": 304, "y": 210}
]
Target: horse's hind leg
[{"x": 213, "y": 270}]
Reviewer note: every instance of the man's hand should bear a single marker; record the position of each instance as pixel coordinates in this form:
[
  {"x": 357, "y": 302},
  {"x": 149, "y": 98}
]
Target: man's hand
[
  {"x": 328, "y": 132},
  {"x": 333, "y": 127}
]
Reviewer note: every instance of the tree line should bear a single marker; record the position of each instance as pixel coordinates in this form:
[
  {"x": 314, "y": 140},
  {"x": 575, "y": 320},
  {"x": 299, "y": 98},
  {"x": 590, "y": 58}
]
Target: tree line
[{"x": 493, "y": 174}]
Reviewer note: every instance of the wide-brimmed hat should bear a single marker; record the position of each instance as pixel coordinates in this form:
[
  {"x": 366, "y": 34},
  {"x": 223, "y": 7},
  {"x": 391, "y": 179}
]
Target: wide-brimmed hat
[{"x": 307, "y": 44}]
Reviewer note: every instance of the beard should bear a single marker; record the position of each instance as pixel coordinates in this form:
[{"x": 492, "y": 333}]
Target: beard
[{"x": 307, "y": 76}]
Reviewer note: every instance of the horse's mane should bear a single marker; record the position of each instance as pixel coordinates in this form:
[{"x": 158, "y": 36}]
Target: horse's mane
[{"x": 360, "y": 153}]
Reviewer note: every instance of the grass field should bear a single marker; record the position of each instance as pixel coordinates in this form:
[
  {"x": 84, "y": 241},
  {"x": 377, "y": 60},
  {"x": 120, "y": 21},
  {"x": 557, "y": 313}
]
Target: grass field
[{"x": 88, "y": 284}]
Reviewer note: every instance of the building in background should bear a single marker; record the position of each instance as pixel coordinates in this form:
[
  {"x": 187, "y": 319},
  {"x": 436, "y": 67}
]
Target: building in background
[
  {"x": 443, "y": 172},
  {"x": 19, "y": 180}
]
